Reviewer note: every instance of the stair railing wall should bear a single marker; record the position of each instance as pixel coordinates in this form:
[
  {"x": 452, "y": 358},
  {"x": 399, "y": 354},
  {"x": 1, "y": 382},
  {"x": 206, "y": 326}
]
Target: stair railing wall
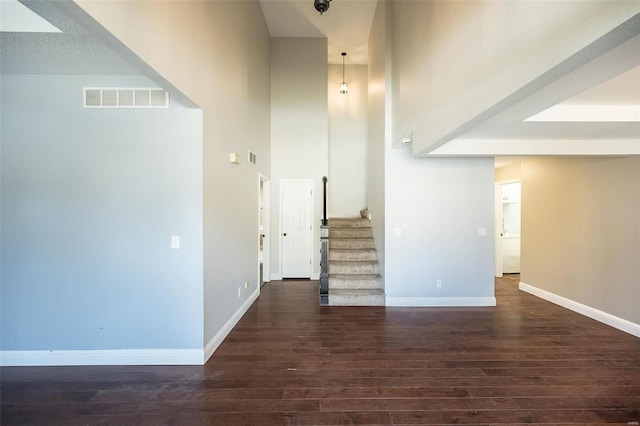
[{"x": 324, "y": 249}]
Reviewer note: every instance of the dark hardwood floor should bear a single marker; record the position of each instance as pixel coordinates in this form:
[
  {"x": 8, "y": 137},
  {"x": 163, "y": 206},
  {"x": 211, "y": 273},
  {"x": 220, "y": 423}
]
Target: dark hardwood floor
[{"x": 290, "y": 361}]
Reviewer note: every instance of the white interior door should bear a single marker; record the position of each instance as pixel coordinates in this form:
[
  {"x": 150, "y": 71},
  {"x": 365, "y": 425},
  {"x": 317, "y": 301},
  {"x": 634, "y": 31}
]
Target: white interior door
[{"x": 296, "y": 230}]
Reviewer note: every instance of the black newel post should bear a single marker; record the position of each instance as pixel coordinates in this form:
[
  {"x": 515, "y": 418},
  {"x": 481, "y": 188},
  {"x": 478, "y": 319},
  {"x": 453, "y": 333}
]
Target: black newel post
[
  {"x": 324, "y": 249},
  {"x": 324, "y": 201}
]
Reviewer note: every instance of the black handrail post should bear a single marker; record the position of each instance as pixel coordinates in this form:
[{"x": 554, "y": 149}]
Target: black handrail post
[
  {"x": 324, "y": 201},
  {"x": 324, "y": 250}
]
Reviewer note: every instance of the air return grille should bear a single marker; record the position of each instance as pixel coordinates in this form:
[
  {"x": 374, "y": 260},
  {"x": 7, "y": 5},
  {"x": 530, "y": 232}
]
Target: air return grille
[{"x": 125, "y": 97}]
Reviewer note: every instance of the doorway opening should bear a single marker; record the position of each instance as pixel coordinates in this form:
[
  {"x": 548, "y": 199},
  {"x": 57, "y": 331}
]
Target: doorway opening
[
  {"x": 507, "y": 224},
  {"x": 264, "y": 230}
]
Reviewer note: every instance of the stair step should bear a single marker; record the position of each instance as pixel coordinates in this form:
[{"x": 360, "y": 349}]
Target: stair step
[
  {"x": 344, "y": 297},
  {"x": 355, "y": 281},
  {"x": 350, "y": 243},
  {"x": 348, "y": 222},
  {"x": 352, "y": 254},
  {"x": 354, "y": 267},
  {"x": 337, "y": 232}
]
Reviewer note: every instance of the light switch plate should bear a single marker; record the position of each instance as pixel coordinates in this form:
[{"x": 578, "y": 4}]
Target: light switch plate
[{"x": 482, "y": 232}]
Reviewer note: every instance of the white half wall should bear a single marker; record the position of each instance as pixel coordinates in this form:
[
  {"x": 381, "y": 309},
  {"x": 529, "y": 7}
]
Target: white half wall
[{"x": 439, "y": 230}]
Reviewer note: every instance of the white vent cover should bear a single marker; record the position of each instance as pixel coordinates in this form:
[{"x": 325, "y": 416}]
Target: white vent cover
[
  {"x": 252, "y": 158},
  {"x": 125, "y": 97}
]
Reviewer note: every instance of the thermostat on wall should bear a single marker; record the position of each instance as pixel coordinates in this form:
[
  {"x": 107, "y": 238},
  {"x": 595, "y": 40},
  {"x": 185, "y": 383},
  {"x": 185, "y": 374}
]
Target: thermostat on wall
[{"x": 234, "y": 158}]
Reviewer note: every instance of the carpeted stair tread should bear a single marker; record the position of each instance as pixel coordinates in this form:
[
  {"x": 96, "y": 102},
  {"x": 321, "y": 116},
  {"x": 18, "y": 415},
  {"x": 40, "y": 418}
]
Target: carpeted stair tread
[
  {"x": 348, "y": 232},
  {"x": 355, "y": 281},
  {"x": 354, "y": 270},
  {"x": 349, "y": 297},
  {"x": 354, "y": 267},
  {"x": 350, "y": 243},
  {"x": 349, "y": 222},
  {"x": 353, "y": 254}
]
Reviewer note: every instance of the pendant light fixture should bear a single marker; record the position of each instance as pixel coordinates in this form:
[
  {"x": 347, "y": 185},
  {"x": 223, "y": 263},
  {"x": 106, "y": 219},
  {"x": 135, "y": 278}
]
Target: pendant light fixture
[
  {"x": 343, "y": 86},
  {"x": 321, "y": 5}
]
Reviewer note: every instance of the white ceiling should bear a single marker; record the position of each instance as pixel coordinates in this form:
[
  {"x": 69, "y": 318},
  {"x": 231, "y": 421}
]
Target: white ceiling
[
  {"x": 346, "y": 25},
  {"x": 39, "y": 49},
  {"x": 16, "y": 17}
]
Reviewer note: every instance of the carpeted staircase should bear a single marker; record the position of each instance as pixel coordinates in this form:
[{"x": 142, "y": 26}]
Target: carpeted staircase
[{"x": 354, "y": 271}]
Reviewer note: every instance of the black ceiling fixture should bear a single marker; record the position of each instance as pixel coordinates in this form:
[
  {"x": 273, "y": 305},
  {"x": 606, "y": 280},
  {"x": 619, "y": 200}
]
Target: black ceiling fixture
[{"x": 321, "y": 5}]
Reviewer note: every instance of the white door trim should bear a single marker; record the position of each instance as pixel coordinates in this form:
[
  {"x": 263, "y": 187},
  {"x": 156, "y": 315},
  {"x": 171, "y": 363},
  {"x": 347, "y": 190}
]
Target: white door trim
[{"x": 497, "y": 226}]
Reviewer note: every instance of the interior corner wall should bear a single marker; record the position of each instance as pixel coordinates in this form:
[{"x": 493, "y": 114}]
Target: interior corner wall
[
  {"x": 456, "y": 59},
  {"x": 89, "y": 201},
  {"x": 299, "y": 129},
  {"x": 347, "y": 185},
  {"x": 218, "y": 54},
  {"x": 581, "y": 231},
  {"x": 377, "y": 128},
  {"x": 434, "y": 211}
]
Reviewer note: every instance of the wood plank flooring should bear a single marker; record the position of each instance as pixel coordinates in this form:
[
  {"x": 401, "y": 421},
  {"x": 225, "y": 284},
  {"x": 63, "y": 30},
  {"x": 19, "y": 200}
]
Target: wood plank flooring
[{"x": 291, "y": 362}]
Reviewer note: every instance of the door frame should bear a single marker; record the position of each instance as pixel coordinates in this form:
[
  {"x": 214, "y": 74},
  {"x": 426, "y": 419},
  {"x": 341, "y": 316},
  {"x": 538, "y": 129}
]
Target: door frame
[
  {"x": 311, "y": 212},
  {"x": 498, "y": 267},
  {"x": 265, "y": 182}
]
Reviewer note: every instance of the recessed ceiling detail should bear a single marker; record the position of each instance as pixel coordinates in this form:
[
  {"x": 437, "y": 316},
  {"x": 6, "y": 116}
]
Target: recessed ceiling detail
[
  {"x": 616, "y": 100},
  {"x": 346, "y": 26},
  {"x": 589, "y": 113}
]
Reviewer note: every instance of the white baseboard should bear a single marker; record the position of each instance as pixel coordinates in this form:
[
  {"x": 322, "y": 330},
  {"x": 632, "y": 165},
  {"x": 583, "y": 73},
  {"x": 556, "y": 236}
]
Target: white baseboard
[
  {"x": 217, "y": 339},
  {"x": 440, "y": 301},
  {"x": 126, "y": 356},
  {"x": 315, "y": 276},
  {"x": 102, "y": 357},
  {"x": 593, "y": 313}
]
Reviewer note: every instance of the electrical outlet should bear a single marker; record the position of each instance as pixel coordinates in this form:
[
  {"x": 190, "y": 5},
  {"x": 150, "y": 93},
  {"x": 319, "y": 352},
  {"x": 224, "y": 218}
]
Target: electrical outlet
[
  {"x": 438, "y": 283},
  {"x": 239, "y": 291}
]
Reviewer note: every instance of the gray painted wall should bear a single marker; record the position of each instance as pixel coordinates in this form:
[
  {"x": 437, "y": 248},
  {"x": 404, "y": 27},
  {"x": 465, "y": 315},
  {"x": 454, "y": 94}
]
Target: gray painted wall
[
  {"x": 89, "y": 201},
  {"x": 377, "y": 128},
  {"x": 347, "y": 186},
  {"x": 439, "y": 204},
  {"x": 216, "y": 53},
  {"x": 299, "y": 128}
]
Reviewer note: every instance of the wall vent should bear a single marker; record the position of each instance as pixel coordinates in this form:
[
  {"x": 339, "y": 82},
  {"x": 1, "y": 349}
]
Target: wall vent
[
  {"x": 125, "y": 97},
  {"x": 252, "y": 158}
]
